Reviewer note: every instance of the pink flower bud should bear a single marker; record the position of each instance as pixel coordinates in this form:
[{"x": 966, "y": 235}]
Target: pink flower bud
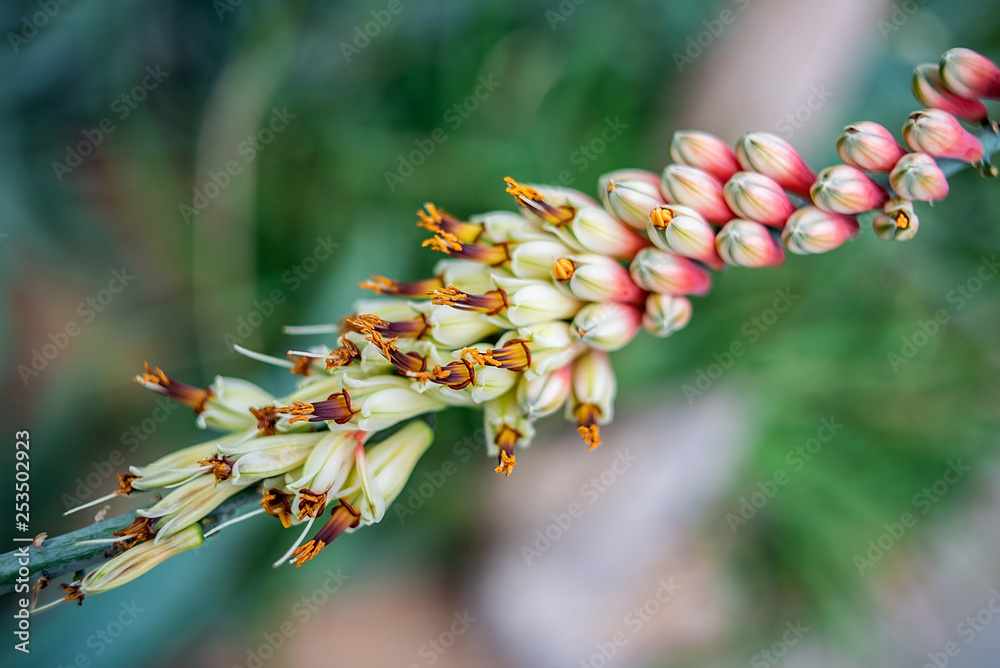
[
  {"x": 931, "y": 92},
  {"x": 917, "y": 176},
  {"x": 939, "y": 134},
  {"x": 757, "y": 197},
  {"x": 596, "y": 278},
  {"x": 681, "y": 230},
  {"x": 746, "y": 243},
  {"x": 606, "y": 326},
  {"x": 970, "y": 74},
  {"x": 898, "y": 222},
  {"x": 594, "y": 230},
  {"x": 869, "y": 146},
  {"x": 630, "y": 194},
  {"x": 665, "y": 314},
  {"x": 811, "y": 230},
  {"x": 658, "y": 271},
  {"x": 772, "y": 156},
  {"x": 695, "y": 188},
  {"x": 704, "y": 151},
  {"x": 846, "y": 189}
]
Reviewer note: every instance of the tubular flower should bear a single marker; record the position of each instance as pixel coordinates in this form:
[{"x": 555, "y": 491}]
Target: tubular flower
[{"x": 517, "y": 320}]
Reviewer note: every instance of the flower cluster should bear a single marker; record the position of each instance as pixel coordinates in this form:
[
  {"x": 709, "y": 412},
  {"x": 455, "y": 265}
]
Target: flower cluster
[{"x": 520, "y": 316}]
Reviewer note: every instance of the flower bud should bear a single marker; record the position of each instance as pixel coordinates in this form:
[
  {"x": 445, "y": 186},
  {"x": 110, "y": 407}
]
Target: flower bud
[
  {"x": 917, "y": 177},
  {"x": 392, "y": 405},
  {"x": 594, "y": 390},
  {"x": 704, "y": 151},
  {"x": 869, "y": 146},
  {"x": 969, "y": 74},
  {"x": 898, "y": 222},
  {"x": 454, "y": 328},
  {"x": 930, "y": 91},
  {"x": 228, "y": 406},
  {"x": 389, "y": 465},
  {"x": 630, "y": 194},
  {"x": 939, "y": 134},
  {"x": 328, "y": 464},
  {"x": 846, "y": 189},
  {"x": 607, "y": 325},
  {"x": 665, "y": 314},
  {"x": 533, "y": 302},
  {"x": 544, "y": 395},
  {"x": 188, "y": 503},
  {"x": 596, "y": 278},
  {"x": 772, "y": 156},
  {"x": 746, "y": 243},
  {"x": 659, "y": 271},
  {"x": 507, "y": 428},
  {"x": 681, "y": 230},
  {"x": 552, "y": 345},
  {"x": 697, "y": 189},
  {"x": 757, "y": 197},
  {"x": 507, "y": 226},
  {"x": 533, "y": 259},
  {"x": 812, "y": 230},
  {"x": 135, "y": 561},
  {"x": 594, "y": 230}
]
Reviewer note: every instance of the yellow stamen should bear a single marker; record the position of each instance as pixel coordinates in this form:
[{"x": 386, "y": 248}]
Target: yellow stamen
[
  {"x": 480, "y": 358},
  {"x": 591, "y": 434},
  {"x": 507, "y": 463},
  {"x": 520, "y": 190},
  {"x": 563, "y": 270},
  {"x": 661, "y": 217},
  {"x": 902, "y": 221}
]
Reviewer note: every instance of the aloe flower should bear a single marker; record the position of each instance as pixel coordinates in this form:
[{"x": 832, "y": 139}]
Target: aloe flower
[{"x": 518, "y": 318}]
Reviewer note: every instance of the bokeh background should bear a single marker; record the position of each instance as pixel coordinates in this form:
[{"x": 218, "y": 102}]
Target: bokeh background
[{"x": 697, "y": 445}]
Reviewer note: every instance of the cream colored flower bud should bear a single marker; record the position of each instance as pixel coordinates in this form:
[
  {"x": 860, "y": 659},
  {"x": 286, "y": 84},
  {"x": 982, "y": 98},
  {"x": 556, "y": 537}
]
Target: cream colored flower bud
[
  {"x": 939, "y": 134},
  {"x": 228, "y": 407},
  {"x": 329, "y": 462},
  {"x": 661, "y": 271},
  {"x": 917, "y": 177},
  {"x": 683, "y": 231},
  {"x": 552, "y": 345},
  {"x": 507, "y": 226},
  {"x": 745, "y": 243},
  {"x": 594, "y": 230},
  {"x": 898, "y": 222},
  {"x": 455, "y": 328},
  {"x": 757, "y": 197},
  {"x": 869, "y": 146},
  {"x": 607, "y": 325},
  {"x": 970, "y": 74},
  {"x": 696, "y": 189},
  {"x": 704, "y": 151},
  {"x": 845, "y": 189},
  {"x": 533, "y": 259},
  {"x": 665, "y": 314},
  {"x": 507, "y": 428},
  {"x": 179, "y": 466},
  {"x": 593, "y": 399},
  {"x": 137, "y": 560},
  {"x": 630, "y": 194},
  {"x": 466, "y": 275},
  {"x": 772, "y": 156},
  {"x": 390, "y": 406},
  {"x": 544, "y": 395},
  {"x": 812, "y": 230},
  {"x": 931, "y": 92},
  {"x": 187, "y": 504},
  {"x": 533, "y": 302},
  {"x": 596, "y": 278}
]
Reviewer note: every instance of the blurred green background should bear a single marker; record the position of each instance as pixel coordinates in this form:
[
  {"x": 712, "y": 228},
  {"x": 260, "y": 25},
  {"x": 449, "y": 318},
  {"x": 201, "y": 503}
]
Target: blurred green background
[{"x": 183, "y": 86}]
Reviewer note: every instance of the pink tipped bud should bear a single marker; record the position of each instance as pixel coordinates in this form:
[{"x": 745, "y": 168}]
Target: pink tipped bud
[
  {"x": 630, "y": 194},
  {"x": 607, "y": 326},
  {"x": 897, "y": 222},
  {"x": 681, "y": 230},
  {"x": 772, "y": 156},
  {"x": 939, "y": 134},
  {"x": 931, "y": 92},
  {"x": 746, "y": 243},
  {"x": 869, "y": 146},
  {"x": 970, "y": 74},
  {"x": 594, "y": 230},
  {"x": 665, "y": 314},
  {"x": 695, "y": 188},
  {"x": 704, "y": 151},
  {"x": 917, "y": 176},
  {"x": 668, "y": 274},
  {"x": 596, "y": 278},
  {"x": 757, "y": 197},
  {"x": 846, "y": 189},
  {"x": 811, "y": 230}
]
